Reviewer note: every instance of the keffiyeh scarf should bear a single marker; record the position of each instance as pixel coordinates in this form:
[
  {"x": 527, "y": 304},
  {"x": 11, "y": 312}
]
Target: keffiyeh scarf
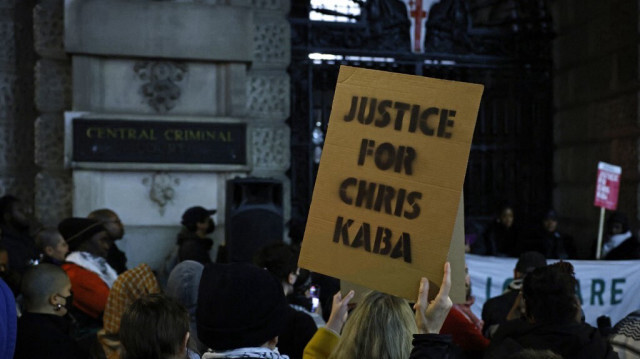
[
  {"x": 97, "y": 265},
  {"x": 264, "y": 353}
]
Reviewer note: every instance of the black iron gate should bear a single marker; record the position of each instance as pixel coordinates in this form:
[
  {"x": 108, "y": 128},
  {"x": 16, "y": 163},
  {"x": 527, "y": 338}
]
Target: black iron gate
[{"x": 502, "y": 44}]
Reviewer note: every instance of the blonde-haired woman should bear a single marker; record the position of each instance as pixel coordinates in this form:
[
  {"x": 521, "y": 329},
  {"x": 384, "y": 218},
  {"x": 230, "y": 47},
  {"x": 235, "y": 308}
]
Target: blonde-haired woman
[{"x": 383, "y": 327}]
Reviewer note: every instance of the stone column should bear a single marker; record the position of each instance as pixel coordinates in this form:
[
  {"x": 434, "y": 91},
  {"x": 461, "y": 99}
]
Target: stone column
[
  {"x": 53, "y": 97},
  {"x": 596, "y": 100},
  {"x": 16, "y": 100},
  {"x": 268, "y": 94}
]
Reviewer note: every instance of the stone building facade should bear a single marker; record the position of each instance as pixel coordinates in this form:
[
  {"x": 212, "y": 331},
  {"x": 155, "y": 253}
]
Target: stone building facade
[
  {"x": 54, "y": 60},
  {"x": 221, "y": 60},
  {"x": 596, "y": 106}
]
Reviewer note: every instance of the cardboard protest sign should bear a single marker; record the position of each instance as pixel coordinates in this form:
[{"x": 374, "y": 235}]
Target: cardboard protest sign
[
  {"x": 607, "y": 186},
  {"x": 456, "y": 257},
  {"x": 390, "y": 179}
]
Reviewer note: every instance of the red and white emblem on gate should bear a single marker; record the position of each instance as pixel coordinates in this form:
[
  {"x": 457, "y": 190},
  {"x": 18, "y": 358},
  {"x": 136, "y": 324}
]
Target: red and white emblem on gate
[{"x": 418, "y": 11}]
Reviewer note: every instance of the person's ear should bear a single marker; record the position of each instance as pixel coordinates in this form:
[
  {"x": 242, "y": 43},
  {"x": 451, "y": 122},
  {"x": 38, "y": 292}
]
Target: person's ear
[
  {"x": 55, "y": 300},
  {"x": 273, "y": 343},
  {"x": 48, "y": 250},
  {"x": 186, "y": 340}
]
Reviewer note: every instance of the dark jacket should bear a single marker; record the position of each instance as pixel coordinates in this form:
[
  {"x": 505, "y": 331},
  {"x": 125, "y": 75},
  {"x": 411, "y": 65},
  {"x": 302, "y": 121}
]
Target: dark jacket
[
  {"x": 21, "y": 248},
  {"x": 498, "y": 241},
  {"x": 45, "y": 336},
  {"x": 570, "y": 340},
  {"x": 117, "y": 259},
  {"x": 431, "y": 346},
  {"x": 629, "y": 249},
  {"x": 299, "y": 329},
  {"x": 554, "y": 245},
  {"x": 192, "y": 247},
  {"x": 496, "y": 309}
]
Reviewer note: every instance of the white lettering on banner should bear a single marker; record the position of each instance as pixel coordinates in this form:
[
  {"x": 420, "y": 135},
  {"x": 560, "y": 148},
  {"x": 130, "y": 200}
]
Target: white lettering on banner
[{"x": 606, "y": 287}]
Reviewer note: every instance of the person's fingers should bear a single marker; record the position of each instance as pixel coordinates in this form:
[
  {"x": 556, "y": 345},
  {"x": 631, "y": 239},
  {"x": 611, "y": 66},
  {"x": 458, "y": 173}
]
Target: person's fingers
[
  {"x": 337, "y": 298},
  {"x": 445, "y": 288},
  {"x": 423, "y": 293},
  {"x": 347, "y": 298}
]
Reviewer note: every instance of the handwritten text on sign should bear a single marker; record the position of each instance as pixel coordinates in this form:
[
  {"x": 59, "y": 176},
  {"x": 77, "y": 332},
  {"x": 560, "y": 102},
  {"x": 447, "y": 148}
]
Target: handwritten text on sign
[
  {"x": 390, "y": 179},
  {"x": 607, "y": 186}
]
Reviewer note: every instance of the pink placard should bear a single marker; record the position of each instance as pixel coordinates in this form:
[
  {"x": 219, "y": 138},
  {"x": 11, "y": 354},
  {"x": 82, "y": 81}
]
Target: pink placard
[{"x": 607, "y": 186}]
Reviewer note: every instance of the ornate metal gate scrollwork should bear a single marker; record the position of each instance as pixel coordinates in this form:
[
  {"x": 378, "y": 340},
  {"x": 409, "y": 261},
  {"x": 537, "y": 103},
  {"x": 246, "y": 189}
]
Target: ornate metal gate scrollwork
[{"x": 503, "y": 44}]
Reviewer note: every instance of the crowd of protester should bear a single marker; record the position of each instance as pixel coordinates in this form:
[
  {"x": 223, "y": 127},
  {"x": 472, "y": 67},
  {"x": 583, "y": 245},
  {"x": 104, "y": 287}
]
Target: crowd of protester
[
  {"x": 505, "y": 236},
  {"x": 67, "y": 292}
]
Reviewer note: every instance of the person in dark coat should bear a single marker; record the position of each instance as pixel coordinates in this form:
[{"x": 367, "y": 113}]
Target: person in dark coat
[
  {"x": 496, "y": 309},
  {"x": 501, "y": 239},
  {"x": 193, "y": 243},
  {"x": 43, "y": 330},
  {"x": 14, "y": 225},
  {"x": 553, "y": 313},
  {"x": 241, "y": 311},
  {"x": 549, "y": 241},
  {"x": 620, "y": 243},
  {"x": 282, "y": 262},
  {"x": 116, "y": 258}
]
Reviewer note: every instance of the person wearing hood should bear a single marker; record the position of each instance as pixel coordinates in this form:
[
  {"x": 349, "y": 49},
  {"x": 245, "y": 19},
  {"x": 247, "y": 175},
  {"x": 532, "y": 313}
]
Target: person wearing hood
[
  {"x": 130, "y": 285},
  {"x": 182, "y": 286},
  {"x": 43, "y": 329},
  {"x": 619, "y": 243}
]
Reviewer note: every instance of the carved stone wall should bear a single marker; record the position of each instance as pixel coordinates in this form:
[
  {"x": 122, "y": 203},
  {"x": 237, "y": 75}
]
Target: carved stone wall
[
  {"x": 596, "y": 98},
  {"x": 53, "y": 186},
  {"x": 268, "y": 93},
  {"x": 17, "y": 112},
  {"x": 238, "y": 72}
]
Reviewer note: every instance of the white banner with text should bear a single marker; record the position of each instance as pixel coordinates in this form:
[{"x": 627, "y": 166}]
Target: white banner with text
[{"x": 606, "y": 287}]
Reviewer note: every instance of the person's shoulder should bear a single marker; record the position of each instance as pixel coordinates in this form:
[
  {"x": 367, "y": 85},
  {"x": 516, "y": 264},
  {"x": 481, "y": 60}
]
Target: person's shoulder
[{"x": 500, "y": 301}]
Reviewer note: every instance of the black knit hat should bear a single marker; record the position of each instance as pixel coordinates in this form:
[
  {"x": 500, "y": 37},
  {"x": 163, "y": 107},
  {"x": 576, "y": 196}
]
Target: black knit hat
[
  {"x": 77, "y": 230},
  {"x": 196, "y": 214},
  {"x": 239, "y": 305},
  {"x": 618, "y": 217},
  {"x": 529, "y": 261}
]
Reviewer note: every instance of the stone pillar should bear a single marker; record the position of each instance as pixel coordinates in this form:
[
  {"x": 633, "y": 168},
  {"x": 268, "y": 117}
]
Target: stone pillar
[
  {"x": 17, "y": 111},
  {"x": 52, "y": 97},
  {"x": 268, "y": 94},
  {"x": 596, "y": 100}
]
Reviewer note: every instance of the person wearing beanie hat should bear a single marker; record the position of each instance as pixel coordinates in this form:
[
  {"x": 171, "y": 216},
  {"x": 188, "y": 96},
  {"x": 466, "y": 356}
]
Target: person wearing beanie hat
[
  {"x": 281, "y": 260},
  {"x": 241, "y": 311},
  {"x": 495, "y": 310},
  {"x": 90, "y": 274},
  {"x": 619, "y": 241}
]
